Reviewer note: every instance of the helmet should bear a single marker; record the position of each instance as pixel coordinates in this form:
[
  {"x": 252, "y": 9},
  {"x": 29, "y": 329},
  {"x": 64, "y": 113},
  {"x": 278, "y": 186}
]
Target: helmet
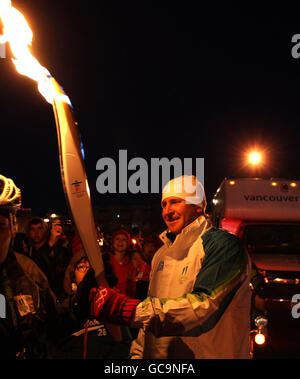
[{"x": 10, "y": 195}]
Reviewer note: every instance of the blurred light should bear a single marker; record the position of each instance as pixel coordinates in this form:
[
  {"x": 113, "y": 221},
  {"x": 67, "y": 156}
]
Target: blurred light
[
  {"x": 46, "y": 220},
  {"x": 274, "y": 184},
  {"x": 258, "y": 158},
  {"x": 53, "y": 215},
  {"x": 82, "y": 150},
  {"x": 254, "y": 158},
  {"x": 293, "y": 184},
  {"x": 260, "y": 339},
  {"x": 118, "y": 216},
  {"x": 100, "y": 242},
  {"x": 87, "y": 188},
  {"x": 134, "y": 241},
  {"x": 232, "y": 182}
]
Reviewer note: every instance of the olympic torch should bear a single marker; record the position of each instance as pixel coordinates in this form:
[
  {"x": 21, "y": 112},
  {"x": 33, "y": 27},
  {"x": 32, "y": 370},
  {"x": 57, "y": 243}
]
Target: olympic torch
[
  {"x": 19, "y": 36},
  {"x": 74, "y": 179}
]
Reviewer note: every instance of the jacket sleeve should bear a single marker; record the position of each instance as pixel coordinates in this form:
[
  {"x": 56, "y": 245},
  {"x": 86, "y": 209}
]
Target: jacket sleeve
[
  {"x": 137, "y": 346},
  {"x": 224, "y": 269}
]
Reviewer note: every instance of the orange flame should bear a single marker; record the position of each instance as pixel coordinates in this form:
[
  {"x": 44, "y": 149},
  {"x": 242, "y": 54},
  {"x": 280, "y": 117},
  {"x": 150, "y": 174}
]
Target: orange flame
[{"x": 18, "y": 34}]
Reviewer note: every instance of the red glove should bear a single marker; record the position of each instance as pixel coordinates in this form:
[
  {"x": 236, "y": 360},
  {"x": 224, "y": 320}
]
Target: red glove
[{"x": 109, "y": 305}]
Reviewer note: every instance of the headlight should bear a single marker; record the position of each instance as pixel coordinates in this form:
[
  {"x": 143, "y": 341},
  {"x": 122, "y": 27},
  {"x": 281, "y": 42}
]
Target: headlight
[
  {"x": 260, "y": 338},
  {"x": 261, "y": 322}
]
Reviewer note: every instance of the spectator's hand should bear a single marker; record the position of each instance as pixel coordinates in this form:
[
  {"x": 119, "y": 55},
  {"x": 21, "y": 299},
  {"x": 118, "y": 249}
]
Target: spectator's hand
[
  {"x": 80, "y": 302},
  {"x": 109, "y": 305},
  {"x": 56, "y": 233}
]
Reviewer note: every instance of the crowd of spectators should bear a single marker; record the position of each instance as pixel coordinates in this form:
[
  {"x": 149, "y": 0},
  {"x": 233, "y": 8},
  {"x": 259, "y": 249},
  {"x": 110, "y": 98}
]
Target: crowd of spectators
[{"x": 61, "y": 257}]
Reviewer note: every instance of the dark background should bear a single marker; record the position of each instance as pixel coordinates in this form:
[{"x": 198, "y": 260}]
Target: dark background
[{"x": 159, "y": 79}]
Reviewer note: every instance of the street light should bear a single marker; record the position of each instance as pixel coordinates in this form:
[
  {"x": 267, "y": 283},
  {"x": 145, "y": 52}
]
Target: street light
[{"x": 255, "y": 158}]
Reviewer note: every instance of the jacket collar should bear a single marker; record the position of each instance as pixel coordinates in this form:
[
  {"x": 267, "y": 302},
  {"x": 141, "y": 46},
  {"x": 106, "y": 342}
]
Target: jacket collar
[{"x": 201, "y": 223}]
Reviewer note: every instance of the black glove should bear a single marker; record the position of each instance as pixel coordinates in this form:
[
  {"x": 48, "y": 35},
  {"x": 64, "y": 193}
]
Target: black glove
[{"x": 80, "y": 301}]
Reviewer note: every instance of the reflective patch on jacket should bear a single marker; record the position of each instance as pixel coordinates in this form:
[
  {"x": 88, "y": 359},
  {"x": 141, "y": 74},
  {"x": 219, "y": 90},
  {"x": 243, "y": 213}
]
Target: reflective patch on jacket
[{"x": 24, "y": 304}]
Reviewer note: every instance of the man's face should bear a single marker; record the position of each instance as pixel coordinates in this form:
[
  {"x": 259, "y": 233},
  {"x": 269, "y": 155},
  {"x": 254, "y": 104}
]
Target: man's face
[
  {"x": 177, "y": 214},
  {"x": 37, "y": 233},
  {"x": 5, "y": 237}
]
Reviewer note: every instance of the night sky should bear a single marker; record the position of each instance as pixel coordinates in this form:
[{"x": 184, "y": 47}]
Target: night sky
[{"x": 159, "y": 79}]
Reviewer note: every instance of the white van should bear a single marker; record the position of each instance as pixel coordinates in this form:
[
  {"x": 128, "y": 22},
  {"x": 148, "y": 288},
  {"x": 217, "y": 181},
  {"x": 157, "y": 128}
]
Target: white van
[{"x": 265, "y": 215}]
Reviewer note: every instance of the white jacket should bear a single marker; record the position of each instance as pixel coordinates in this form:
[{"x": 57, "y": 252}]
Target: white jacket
[{"x": 198, "y": 304}]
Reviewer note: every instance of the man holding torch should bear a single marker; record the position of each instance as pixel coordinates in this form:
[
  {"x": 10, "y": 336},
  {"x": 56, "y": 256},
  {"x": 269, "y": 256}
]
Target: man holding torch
[{"x": 198, "y": 303}]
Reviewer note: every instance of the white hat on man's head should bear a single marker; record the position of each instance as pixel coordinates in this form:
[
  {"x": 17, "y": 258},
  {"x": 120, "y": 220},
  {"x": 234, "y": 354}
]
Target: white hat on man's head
[{"x": 185, "y": 187}]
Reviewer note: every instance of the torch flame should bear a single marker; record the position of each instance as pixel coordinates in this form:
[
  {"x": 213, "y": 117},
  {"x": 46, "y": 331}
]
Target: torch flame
[{"x": 18, "y": 34}]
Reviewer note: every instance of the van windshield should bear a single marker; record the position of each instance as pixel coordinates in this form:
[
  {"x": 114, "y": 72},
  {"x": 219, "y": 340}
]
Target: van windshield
[{"x": 263, "y": 238}]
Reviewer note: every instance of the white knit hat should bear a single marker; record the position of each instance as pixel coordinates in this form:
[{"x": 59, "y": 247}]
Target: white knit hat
[{"x": 185, "y": 187}]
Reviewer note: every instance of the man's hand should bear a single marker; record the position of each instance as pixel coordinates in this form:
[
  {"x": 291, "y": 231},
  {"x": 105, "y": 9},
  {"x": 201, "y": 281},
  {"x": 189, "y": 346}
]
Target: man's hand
[{"x": 109, "y": 305}]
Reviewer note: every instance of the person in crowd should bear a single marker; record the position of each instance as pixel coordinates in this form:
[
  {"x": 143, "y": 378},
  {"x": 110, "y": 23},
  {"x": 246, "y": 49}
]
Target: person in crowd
[
  {"x": 121, "y": 262},
  {"x": 148, "y": 250},
  {"x": 49, "y": 251},
  {"x": 76, "y": 245},
  {"x": 31, "y": 321},
  {"x": 34, "y": 322},
  {"x": 21, "y": 243},
  {"x": 89, "y": 338},
  {"x": 136, "y": 241},
  {"x": 37, "y": 234},
  {"x": 198, "y": 303},
  {"x": 142, "y": 274},
  {"x": 142, "y": 269}
]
